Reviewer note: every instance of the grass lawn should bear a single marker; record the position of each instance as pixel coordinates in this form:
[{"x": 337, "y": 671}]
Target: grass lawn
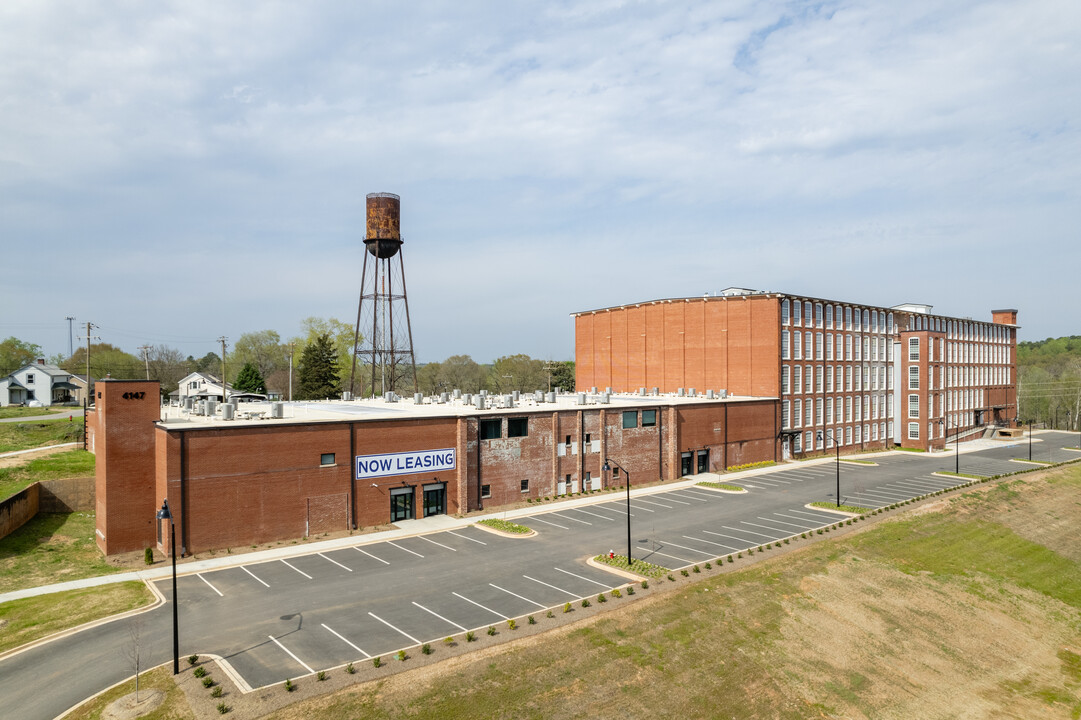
[
  {"x": 51, "y": 548},
  {"x": 29, "y": 619},
  {"x": 965, "y": 606},
  {"x": 12, "y": 412},
  {"x": 175, "y": 706},
  {"x": 70, "y": 463},
  {"x": 37, "y": 433}
]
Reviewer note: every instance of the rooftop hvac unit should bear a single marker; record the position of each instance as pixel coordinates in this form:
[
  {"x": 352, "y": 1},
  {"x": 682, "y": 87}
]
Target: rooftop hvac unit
[
  {"x": 457, "y": 393},
  {"x": 551, "y": 397},
  {"x": 276, "y": 410},
  {"x": 418, "y": 398},
  {"x": 515, "y": 395},
  {"x": 680, "y": 392},
  {"x": 508, "y": 400},
  {"x": 692, "y": 393},
  {"x": 538, "y": 397},
  {"x": 467, "y": 399},
  {"x": 642, "y": 391},
  {"x": 608, "y": 391},
  {"x": 606, "y": 398},
  {"x": 484, "y": 393},
  {"x": 593, "y": 390},
  {"x": 582, "y": 398},
  {"x": 211, "y": 407},
  {"x": 442, "y": 398},
  {"x": 188, "y": 403},
  {"x": 480, "y": 402},
  {"x": 723, "y": 393},
  {"x": 709, "y": 394},
  {"x": 655, "y": 391},
  {"x": 227, "y": 411},
  {"x": 347, "y": 396}
]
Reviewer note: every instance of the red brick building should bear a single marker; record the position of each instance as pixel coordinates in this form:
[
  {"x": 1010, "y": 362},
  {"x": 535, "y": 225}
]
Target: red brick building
[
  {"x": 860, "y": 375},
  {"x": 335, "y": 466}
]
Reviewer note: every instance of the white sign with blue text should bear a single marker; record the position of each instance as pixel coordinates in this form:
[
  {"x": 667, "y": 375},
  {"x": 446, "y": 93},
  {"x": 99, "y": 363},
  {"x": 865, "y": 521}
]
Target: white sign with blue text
[{"x": 404, "y": 463}]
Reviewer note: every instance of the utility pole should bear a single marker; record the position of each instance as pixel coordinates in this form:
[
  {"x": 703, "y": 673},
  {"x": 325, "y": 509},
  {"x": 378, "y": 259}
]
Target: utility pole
[
  {"x": 146, "y": 358},
  {"x": 71, "y": 348},
  {"x": 86, "y": 395},
  {"x": 292, "y": 346},
  {"x": 224, "y": 392}
]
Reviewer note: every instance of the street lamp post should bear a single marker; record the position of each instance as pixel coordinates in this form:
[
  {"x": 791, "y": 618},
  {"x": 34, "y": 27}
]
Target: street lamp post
[
  {"x": 1030, "y": 440},
  {"x": 165, "y": 514},
  {"x": 837, "y": 447},
  {"x": 608, "y": 466}
]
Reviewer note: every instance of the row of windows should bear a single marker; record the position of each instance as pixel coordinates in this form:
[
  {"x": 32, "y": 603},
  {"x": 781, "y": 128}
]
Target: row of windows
[
  {"x": 954, "y": 400},
  {"x": 795, "y": 312},
  {"x": 801, "y": 379},
  {"x": 492, "y": 428},
  {"x": 959, "y": 376},
  {"x": 830, "y": 411},
  {"x": 845, "y": 348},
  {"x": 811, "y": 439},
  {"x": 962, "y": 329}
]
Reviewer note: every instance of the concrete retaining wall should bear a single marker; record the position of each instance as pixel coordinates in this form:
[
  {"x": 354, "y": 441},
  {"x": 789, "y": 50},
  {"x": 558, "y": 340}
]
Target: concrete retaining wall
[{"x": 18, "y": 509}]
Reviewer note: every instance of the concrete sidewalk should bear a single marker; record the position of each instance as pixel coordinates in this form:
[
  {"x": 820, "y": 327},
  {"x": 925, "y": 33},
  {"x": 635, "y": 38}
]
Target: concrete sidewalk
[{"x": 38, "y": 449}]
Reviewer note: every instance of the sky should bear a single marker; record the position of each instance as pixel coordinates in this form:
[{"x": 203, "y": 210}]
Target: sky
[{"x": 178, "y": 171}]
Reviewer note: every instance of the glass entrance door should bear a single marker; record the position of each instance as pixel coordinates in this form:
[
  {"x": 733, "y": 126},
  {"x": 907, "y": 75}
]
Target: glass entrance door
[
  {"x": 435, "y": 501},
  {"x": 401, "y": 506},
  {"x": 685, "y": 464},
  {"x": 703, "y": 461}
]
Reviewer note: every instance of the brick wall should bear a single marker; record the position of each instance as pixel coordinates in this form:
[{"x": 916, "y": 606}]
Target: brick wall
[{"x": 18, "y": 509}]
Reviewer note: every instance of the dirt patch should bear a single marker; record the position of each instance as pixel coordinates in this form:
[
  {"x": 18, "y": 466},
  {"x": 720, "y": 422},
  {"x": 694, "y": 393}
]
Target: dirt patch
[
  {"x": 25, "y": 458},
  {"x": 127, "y": 708}
]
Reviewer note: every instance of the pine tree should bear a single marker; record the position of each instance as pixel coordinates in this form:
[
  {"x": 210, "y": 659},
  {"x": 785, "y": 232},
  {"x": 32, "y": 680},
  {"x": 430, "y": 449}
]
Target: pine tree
[
  {"x": 318, "y": 372},
  {"x": 250, "y": 380}
]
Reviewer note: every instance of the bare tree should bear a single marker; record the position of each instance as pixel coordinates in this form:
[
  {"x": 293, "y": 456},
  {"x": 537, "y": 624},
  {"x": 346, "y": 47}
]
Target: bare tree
[{"x": 134, "y": 650}]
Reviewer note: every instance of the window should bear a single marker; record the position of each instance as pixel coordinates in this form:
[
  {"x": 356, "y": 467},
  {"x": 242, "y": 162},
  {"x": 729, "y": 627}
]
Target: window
[
  {"x": 913, "y": 406},
  {"x": 785, "y": 410},
  {"x": 818, "y": 411},
  {"x": 796, "y": 313},
  {"x": 784, "y": 379},
  {"x": 829, "y": 346},
  {"x": 784, "y": 312},
  {"x": 913, "y": 431},
  {"x": 630, "y": 419},
  {"x": 818, "y": 346},
  {"x": 797, "y": 342},
  {"x": 807, "y": 379},
  {"x": 491, "y": 429},
  {"x": 913, "y": 349},
  {"x": 326, "y": 459},
  {"x": 797, "y": 379},
  {"x": 807, "y": 312},
  {"x": 485, "y": 491},
  {"x": 649, "y": 418},
  {"x": 829, "y": 379},
  {"x": 818, "y": 314},
  {"x": 784, "y": 344},
  {"x": 829, "y": 316},
  {"x": 829, "y": 411},
  {"x": 29, "y": 378},
  {"x": 913, "y": 377},
  {"x": 525, "y": 486},
  {"x": 818, "y": 378},
  {"x": 797, "y": 413},
  {"x": 519, "y": 427},
  {"x": 848, "y": 318}
]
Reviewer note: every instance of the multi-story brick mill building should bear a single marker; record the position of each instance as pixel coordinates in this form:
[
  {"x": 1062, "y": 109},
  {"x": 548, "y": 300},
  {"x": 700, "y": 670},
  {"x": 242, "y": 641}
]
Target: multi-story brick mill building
[{"x": 858, "y": 375}]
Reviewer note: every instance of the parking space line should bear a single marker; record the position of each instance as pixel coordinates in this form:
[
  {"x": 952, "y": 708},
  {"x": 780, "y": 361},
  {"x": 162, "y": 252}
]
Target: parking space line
[
  {"x": 581, "y": 577},
  {"x": 532, "y": 517},
  {"x": 782, "y": 522},
  {"x": 602, "y": 517},
  {"x": 465, "y": 537},
  {"x": 701, "y": 494},
  {"x": 463, "y": 597},
  {"x": 253, "y": 575},
  {"x": 650, "y": 502},
  {"x": 347, "y": 642},
  {"x": 669, "y": 498},
  {"x": 693, "y": 497},
  {"x": 391, "y": 542},
  {"x": 551, "y": 586},
  {"x": 335, "y": 562},
  {"x": 299, "y": 571},
  {"x": 290, "y": 654},
  {"x": 790, "y": 517},
  {"x": 373, "y": 557},
  {"x": 403, "y": 632},
  {"x": 777, "y": 479},
  {"x": 730, "y": 537},
  {"x": 888, "y": 493},
  {"x": 572, "y": 519},
  {"x": 439, "y": 544},
  {"x": 750, "y": 532},
  {"x": 518, "y": 596},
  {"x": 636, "y": 507},
  {"x": 219, "y": 592},
  {"x": 710, "y": 542},
  {"x": 822, "y": 516},
  {"x": 674, "y": 557},
  {"x": 666, "y": 543},
  {"x": 605, "y": 507},
  {"x": 451, "y": 622},
  {"x": 767, "y": 527}
]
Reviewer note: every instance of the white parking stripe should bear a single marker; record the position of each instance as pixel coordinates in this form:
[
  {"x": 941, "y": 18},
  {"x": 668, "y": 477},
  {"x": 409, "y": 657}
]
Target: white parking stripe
[
  {"x": 708, "y": 495},
  {"x": 669, "y": 498},
  {"x": 692, "y": 497},
  {"x": 347, "y": 642},
  {"x": 373, "y": 557},
  {"x": 439, "y": 616},
  {"x": 586, "y": 512},
  {"x": 822, "y": 516},
  {"x": 710, "y": 542},
  {"x": 403, "y": 632},
  {"x": 650, "y": 502},
  {"x": 299, "y": 571},
  {"x": 287, "y": 652},
  {"x": 610, "y": 509},
  {"x": 572, "y": 519},
  {"x": 546, "y": 522},
  {"x": 335, "y": 562},
  {"x": 792, "y": 517},
  {"x": 767, "y": 527},
  {"x": 730, "y": 537},
  {"x": 391, "y": 542},
  {"x": 551, "y": 586},
  {"x": 465, "y": 537},
  {"x": 253, "y": 575},
  {"x": 433, "y": 542},
  {"x": 749, "y": 532},
  {"x": 782, "y": 522},
  {"x": 674, "y": 557},
  {"x": 666, "y": 543},
  {"x": 219, "y": 592},
  {"x": 518, "y": 596},
  {"x": 638, "y": 507},
  {"x": 463, "y": 597},
  {"x": 581, "y": 577}
]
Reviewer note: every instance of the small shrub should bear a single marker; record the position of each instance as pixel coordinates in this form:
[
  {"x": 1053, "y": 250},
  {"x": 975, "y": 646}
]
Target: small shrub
[
  {"x": 708, "y": 566},
  {"x": 630, "y": 589},
  {"x": 290, "y": 687},
  {"x": 750, "y": 551},
  {"x": 760, "y": 548},
  {"x": 671, "y": 578},
  {"x": 222, "y": 708},
  {"x": 776, "y": 544},
  {"x": 321, "y": 675},
  {"x": 645, "y": 584},
  {"x": 216, "y": 692},
  {"x": 549, "y": 614},
  {"x": 402, "y": 657},
  {"x": 377, "y": 661},
  {"x": 786, "y": 541},
  {"x": 491, "y": 630},
  {"x": 585, "y": 602},
  {"x": 803, "y": 535},
  {"x": 616, "y": 593},
  {"x": 350, "y": 669},
  {"x": 601, "y": 598},
  {"x": 848, "y": 522},
  {"x": 684, "y": 573},
  {"x": 566, "y": 607},
  {"x": 546, "y": 498},
  {"x": 208, "y": 681},
  {"x": 199, "y": 672},
  {"x": 512, "y": 624},
  {"x": 148, "y": 556},
  {"x": 532, "y": 620},
  {"x": 529, "y": 500},
  {"x": 448, "y": 641},
  {"x": 819, "y": 531},
  {"x": 470, "y": 636},
  {"x": 695, "y": 569},
  {"x": 739, "y": 555},
  {"x": 192, "y": 659}
]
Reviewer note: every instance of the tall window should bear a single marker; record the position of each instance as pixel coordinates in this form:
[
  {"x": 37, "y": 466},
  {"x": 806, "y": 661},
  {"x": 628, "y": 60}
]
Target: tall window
[
  {"x": 630, "y": 419},
  {"x": 797, "y": 345},
  {"x": 913, "y": 377},
  {"x": 784, "y": 312},
  {"x": 913, "y": 431},
  {"x": 796, "y": 312},
  {"x": 818, "y": 378},
  {"x": 797, "y": 379},
  {"x": 829, "y": 346},
  {"x": 797, "y": 412},
  {"x": 784, "y": 344},
  {"x": 818, "y": 314},
  {"x": 913, "y": 406},
  {"x": 829, "y": 379},
  {"x": 913, "y": 349},
  {"x": 784, "y": 379},
  {"x": 829, "y": 316},
  {"x": 818, "y": 346},
  {"x": 784, "y": 414},
  {"x": 807, "y": 379},
  {"x": 848, "y": 318}
]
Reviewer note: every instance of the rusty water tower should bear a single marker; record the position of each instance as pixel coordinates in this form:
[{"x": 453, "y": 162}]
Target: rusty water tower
[{"x": 384, "y": 337}]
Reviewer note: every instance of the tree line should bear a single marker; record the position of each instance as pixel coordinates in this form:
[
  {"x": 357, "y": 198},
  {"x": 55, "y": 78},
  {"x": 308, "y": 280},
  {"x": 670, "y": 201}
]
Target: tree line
[{"x": 1049, "y": 381}]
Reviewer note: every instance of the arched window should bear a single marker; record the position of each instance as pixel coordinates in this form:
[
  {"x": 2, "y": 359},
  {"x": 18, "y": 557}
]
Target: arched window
[{"x": 784, "y": 312}]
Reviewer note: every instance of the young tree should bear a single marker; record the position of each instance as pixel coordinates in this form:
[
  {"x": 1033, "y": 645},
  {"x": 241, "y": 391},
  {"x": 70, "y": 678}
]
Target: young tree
[
  {"x": 167, "y": 366},
  {"x": 318, "y": 371},
  {"x": 14, "y": 354},
  {"x": 562, "y": 374},
  {"x": 517, "y": 372},
  {"x": 263, "y": 349},
  {"x": 249, "y": 379},
  {"x": 106, "y": 360}
]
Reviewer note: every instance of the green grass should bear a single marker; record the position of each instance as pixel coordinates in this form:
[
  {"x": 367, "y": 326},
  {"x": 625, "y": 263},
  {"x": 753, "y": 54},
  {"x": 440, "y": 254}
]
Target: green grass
[
  {"x": 967, "y": 476},
  {"x": 51, "y": 548},
  {"x": 175, "y": 706},
  {"x": 36, "y": 617},
  {"x": 66, "y": 464},
  {"x": 721, "y": 486},
  {"x": 505, "y": 526},
  {"x": 640, "y": 567},
  {"x": 14, "y": 412},
  {"x": 27, "y": 435},
  {"x": 827, "y": 505},
  {"x": 750, "y": 466},
  {"x": 858, "y": 462}
]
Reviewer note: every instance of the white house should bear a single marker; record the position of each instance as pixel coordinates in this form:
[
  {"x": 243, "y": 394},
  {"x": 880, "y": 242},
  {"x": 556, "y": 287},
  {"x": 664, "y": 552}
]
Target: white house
[{"x": 38, "y": 384}]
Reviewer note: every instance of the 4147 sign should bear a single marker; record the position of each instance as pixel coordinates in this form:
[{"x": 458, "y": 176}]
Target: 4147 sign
[{"x": 134, "y": 395}]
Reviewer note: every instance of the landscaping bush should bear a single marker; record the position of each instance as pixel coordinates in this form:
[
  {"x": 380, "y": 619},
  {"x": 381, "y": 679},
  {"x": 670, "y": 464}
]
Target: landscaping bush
[
  {"x": 566, "y": 607},
  {"x": 585, "y": 602},
  {"x": 512, "y": 624},
  {"x": 549, "y": 614},
  {"x": 601, "y": 598},
  {"x": 377, "y": 661},
  {"x": 216, "y": 692},
  {"x": 321, "y": 675},
  {"x": 532, "y": 620},
  {"x": 645, "y": 584},
  {"x": 684, "y": 573},
  {"x": 695, "y": 569},
  {"x": 192, "y": 659},
  {"x": 222, "y": 708},
  {"x": 616, "y": 593},
  {"x": 671, "y": 578},
  {"x": 290, "y": 687},
  {"x": 470, "y": 636},
  {"x": 630, "y": 589},
  {"x": 208, "y": 681},
  {"x": 491, "y": 630},
  {"x": 350, "y": 669},
  {"x": 402, "y": 657},
  {"x": 199, "y": 672},
  {"x": 148, "y": 556},
  {"x": 708, "y": 566}
]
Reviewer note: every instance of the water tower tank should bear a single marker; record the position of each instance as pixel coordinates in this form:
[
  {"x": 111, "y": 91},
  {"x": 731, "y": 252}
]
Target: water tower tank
[{"x": 384, "y": 236}]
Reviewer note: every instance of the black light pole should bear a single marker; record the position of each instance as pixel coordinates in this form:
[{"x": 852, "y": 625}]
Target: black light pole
[
  {"x": 1030, "y": 440},
  {"x": 837, "y": 447},
  {"x": 164, "y": 514},
  {"x": 608, "y": 466}
]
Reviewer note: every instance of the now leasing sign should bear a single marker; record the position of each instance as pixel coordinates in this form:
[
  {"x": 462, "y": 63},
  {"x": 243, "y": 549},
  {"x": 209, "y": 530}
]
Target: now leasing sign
[{"x": 404, "y": 463}]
